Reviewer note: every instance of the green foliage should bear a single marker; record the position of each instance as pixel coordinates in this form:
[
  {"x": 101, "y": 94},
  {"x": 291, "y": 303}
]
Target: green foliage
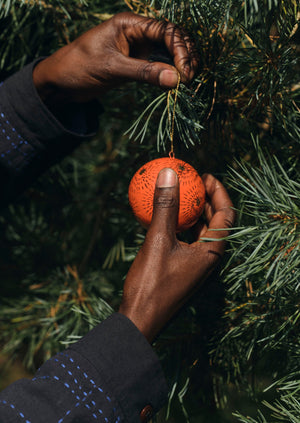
[
  {"x": 248, "y": 73},
  {"x": 263, "y": 273},
  {"x": 44, "y": 319},
  {"x": 67, "y": 244},
  {"x": 286, "y": 408}
]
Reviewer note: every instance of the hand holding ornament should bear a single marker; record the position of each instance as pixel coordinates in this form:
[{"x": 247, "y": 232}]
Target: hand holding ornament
[{"x": 166, "y": 271}]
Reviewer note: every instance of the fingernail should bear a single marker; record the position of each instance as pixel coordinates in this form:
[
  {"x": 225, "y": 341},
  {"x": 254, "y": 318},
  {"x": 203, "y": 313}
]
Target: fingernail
[
  {"x": 166, "y": 178},
  {"x": 168, "y": 78}
]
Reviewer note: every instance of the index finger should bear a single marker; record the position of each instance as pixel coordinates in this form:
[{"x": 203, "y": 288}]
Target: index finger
[
  {"x": 183, "y": 50},
  {"x": 177, "y": 42},
  {"x": 220, "y": 212}
]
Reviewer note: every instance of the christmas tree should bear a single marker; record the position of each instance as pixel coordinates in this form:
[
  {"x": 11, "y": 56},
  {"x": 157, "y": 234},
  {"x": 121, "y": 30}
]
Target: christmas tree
[{"x": 233, "y": 353}]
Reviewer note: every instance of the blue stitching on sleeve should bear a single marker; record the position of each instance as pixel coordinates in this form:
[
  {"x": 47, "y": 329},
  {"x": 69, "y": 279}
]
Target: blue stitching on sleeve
[
  {"x": 57, "y": 379},
  {"x": 85, "y": 395},
  {"x": 19, "y": 146},
  {"x": 77, "y": 405},
  {"x": 4, "y": 402},
  {"x": 80, "y": 400},
  {"x": 84, "y": 373}
]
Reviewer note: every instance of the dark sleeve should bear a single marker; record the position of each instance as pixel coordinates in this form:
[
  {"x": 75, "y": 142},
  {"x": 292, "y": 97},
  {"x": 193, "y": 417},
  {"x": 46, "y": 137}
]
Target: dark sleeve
[
  {"x": 111, "y": 375},
  {"x": 31, "y": 137}
]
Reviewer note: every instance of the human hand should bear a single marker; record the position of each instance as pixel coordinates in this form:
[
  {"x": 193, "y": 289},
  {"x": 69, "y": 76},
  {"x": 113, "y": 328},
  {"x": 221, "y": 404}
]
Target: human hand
[
  {"x": 112, "y": 53},
  {"x": 166, "y": 271}
]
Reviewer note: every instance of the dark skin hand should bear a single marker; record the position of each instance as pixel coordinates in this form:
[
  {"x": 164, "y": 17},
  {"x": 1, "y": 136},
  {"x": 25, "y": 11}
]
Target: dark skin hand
[
  {"x": 112, "y": 53},
  {"x": 166, "y": 271}
]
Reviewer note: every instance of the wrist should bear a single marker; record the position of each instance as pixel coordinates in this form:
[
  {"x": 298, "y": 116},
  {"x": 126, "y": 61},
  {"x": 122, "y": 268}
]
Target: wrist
[
  {"x": 41, "y": 82},
  {"x": 47, "y": 90},
  {"x": 140, "y": 320}
]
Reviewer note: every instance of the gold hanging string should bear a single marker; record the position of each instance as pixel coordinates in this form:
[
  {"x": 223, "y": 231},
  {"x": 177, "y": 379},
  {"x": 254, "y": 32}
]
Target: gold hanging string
[{"x": 171, "y": 116}]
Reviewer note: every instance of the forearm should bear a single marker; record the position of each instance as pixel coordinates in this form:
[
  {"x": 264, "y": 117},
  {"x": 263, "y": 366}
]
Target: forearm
[{"x": 32, "y": 137}]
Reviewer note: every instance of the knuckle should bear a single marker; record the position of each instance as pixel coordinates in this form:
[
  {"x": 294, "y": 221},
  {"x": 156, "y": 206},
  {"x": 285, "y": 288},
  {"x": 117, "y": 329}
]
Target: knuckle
[
  {"x": 122, "y": 17},
  {"x": 232, "y": 214},
  {"x": 171, "y": 28},
  {"x": 230, "y": 218},
  {"x": 214, "y": 257},
  {"x": 165, "y": 200},
  {"x": 229, "y": 215},
  {"x": 123, "y": 20},
  {"x": 144, "y": 72}
]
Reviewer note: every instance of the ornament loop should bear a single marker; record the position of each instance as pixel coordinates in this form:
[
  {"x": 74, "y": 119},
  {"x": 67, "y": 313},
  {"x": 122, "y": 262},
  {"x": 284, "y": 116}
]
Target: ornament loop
[{"x": 172, "y": 155}]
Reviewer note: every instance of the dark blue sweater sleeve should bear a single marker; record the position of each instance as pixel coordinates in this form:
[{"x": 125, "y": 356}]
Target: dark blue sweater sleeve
[
  {"x": 31, "y": 137},
  {"x": 111, "y": 374}
]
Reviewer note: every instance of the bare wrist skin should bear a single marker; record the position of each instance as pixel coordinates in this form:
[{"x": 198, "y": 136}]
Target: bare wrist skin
[
  {"x": 46, "y": 89},
  {"x": 141, "y": 321}
]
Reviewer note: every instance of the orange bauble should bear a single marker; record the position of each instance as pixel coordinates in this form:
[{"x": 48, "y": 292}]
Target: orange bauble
[{"x": 191, "y": 189}]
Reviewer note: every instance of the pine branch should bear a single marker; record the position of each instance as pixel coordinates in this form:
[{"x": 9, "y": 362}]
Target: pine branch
[
  {"x": 53, "y": 312},
  {"x": 286, "y": 408},
  {"x": 263, "y": 272},
  {"x": 247, "y": 82},
  {"x": 245, "y": 75}
]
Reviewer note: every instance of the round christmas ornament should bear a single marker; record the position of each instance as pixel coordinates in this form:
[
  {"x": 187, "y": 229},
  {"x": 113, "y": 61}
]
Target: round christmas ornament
[{"x": 191, "y": 192}]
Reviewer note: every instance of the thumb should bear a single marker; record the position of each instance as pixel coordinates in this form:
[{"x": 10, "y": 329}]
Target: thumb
[
  {"x": 155, "y": 73},
  {"x": 166, "y": 202}
]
